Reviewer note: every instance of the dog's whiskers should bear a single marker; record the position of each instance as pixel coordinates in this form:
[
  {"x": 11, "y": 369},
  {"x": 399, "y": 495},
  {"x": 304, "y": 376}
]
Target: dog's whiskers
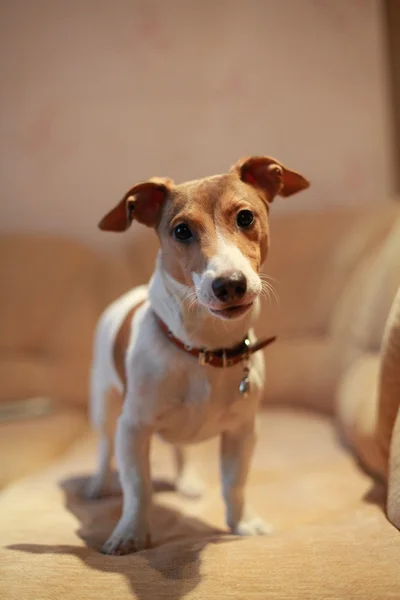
[
  {"x": 192, "y": 304},
  {"x": 266, "y": 277},
  {"x": 191, "y": 297},
  {"x": 269, "y": 292}
]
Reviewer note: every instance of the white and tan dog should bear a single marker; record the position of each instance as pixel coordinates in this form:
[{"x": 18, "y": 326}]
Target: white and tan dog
[{"x": 181, "y": 351}]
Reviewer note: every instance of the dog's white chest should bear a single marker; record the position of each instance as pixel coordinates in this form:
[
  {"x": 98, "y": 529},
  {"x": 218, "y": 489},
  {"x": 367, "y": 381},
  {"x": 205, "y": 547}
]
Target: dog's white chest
[{"x": 207, "y": 401}]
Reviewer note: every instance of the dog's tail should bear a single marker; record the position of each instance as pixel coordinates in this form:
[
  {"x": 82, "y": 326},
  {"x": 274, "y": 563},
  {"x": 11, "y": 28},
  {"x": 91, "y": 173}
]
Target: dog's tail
[{"x": 102, "y": 377}]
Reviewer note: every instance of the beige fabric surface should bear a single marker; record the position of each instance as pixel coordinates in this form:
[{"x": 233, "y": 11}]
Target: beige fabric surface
[
  {"x": 389, "y": 377},
  {"x": 393, "y": 493},
  {"x": 331, "y": 537},
  {"x": 358, "y": 411},
  {"x": 366, "y": 329},
  {"x": 388, "y": 428},
  {"x": 27, "y": 444},
  {"x": 369, "y": 392},
  {"x": 49, "y": 303}
]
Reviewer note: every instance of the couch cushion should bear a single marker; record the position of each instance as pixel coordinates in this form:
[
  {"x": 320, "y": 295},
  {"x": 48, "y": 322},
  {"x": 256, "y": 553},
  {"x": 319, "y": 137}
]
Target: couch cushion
[
  {"x": 360, "y": 314},
  {"x": 37, "y": 273},
  {"x": 49, "y": 305},
  {"x": 301, "y": 372},
  {"x": 331, "y": 538},
  {"x": 33, "y": 432},
  {"x": 388, "y": 429},
  {"x": 312, "y": 257}
]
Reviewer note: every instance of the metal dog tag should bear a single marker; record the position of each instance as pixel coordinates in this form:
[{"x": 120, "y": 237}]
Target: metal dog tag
[{"x": 244, "y": 386}]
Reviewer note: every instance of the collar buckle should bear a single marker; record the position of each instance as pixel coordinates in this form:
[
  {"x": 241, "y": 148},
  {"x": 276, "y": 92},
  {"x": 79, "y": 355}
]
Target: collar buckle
[{"x": 204, "y": 357}]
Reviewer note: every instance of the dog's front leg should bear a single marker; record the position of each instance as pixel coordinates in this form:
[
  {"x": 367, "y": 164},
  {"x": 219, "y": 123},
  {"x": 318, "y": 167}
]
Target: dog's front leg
[
  {"x": 132, "y": 449},
  {"x": 236, "y": 453}
]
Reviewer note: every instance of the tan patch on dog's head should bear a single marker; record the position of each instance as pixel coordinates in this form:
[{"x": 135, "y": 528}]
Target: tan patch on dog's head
[{"x": 209, "y": 207}]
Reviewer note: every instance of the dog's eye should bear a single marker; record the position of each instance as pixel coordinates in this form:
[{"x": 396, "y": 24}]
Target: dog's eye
[
  {"x": 244, "y": 218},
  {"x": 182, "y": 233}
]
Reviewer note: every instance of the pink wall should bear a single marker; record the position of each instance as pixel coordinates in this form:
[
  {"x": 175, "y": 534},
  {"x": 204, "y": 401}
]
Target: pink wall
[{"x": 97, "y": 95}]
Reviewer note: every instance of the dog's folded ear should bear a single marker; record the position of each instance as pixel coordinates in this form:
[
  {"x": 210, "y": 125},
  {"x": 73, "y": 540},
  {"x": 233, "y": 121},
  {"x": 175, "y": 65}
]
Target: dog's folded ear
[
  {"x": 270, "y": 176},
  {"x": 141, "y": 203}
]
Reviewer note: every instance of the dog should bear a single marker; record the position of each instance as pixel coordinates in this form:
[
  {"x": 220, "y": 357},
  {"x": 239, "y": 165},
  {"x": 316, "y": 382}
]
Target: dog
[{"x": 181, "y": 352}]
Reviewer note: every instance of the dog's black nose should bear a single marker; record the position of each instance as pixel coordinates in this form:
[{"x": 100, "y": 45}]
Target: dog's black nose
[{"x": 230, "y": 287}]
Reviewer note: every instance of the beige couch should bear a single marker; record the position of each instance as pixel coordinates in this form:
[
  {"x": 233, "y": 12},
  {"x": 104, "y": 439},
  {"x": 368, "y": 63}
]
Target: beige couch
[{"x": 337, "y": 274}]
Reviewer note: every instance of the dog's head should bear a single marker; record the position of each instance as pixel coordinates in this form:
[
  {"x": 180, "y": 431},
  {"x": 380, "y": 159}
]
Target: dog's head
[{"x": 214, "y": 232}]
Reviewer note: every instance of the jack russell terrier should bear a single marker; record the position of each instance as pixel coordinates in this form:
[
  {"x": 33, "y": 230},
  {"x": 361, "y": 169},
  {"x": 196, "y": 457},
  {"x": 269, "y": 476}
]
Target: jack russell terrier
[{"x": 181, "y": 352}]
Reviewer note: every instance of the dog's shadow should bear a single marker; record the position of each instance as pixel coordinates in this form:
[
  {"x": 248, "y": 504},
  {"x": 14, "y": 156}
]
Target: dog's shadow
[{"x": 171, "y": 569}]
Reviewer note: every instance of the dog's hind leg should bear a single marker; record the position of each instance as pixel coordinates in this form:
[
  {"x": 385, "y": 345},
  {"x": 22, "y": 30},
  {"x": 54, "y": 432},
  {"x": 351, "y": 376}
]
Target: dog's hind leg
[
  {"x": 104, "y": 422},
  {"x": 188, "y": 480}
]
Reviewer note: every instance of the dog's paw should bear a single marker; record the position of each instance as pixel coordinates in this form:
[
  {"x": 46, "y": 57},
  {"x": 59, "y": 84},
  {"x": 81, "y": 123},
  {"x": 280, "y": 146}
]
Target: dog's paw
[
  {"x": 124, "y": 540},
  {"x": 252, "y": 526},
  {"x": 190, "y": 485}
]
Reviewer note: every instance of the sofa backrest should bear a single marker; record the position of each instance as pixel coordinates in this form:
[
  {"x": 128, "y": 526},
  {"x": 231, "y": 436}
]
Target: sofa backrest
[{"x": 53, "y": 291}]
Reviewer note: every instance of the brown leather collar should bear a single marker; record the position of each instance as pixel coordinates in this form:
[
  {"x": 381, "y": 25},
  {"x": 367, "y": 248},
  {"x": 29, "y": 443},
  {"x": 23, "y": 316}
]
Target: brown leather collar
[{"x": 222, "y": 357}]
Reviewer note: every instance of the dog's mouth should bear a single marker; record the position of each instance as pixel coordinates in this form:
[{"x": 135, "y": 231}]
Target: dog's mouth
[{"x": 232, "y": 312}]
